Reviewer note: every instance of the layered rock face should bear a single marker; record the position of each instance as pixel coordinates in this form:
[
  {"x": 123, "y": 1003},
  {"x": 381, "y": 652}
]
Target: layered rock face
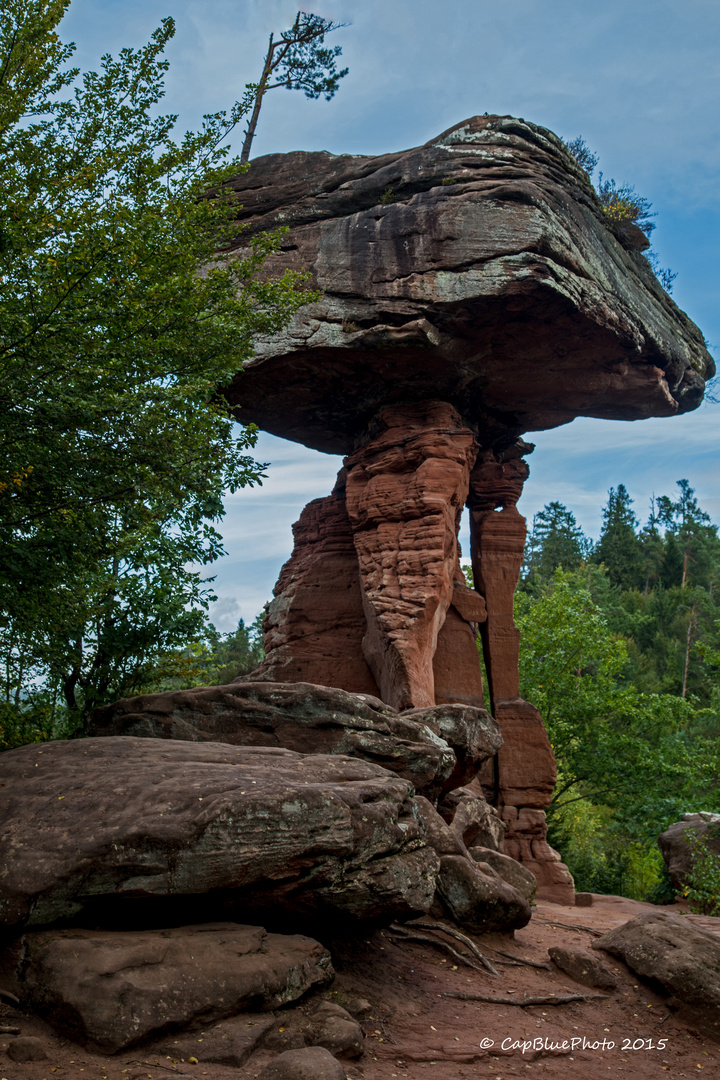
[
  {"x": 405, "y": 491},
  {"x": 473, "y": 290},
  {"x": 436, "y": 749},
  {"x": 119, "y": 823},
  {"x": 478, "y": 269}
]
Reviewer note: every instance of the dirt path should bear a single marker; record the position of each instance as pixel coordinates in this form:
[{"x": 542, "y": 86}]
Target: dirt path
[{"x": 414, "y": 1030}]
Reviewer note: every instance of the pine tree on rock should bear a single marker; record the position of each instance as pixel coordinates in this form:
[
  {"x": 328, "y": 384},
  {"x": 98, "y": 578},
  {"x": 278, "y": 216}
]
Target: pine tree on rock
[{"x": 297, "y": 61}]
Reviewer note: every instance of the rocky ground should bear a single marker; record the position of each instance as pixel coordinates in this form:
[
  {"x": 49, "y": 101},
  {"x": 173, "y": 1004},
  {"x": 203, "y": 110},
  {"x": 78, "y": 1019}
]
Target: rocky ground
[{"x": 413, "y": 1029}]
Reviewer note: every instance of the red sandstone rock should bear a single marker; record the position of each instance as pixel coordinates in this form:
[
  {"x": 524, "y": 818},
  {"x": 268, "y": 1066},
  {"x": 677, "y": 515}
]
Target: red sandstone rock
[
  {"x": 523, "y": 775},
  {"x": 479, "y": 899},
  {"x": 456, "y": 667},
  {"x": 491, "y": 296},
  {"x": 405, "y": 491},
  {"x": 315, "y": 624},
  {"x": 436, "y": 749},
  {"x": 115, "y": 989},
  {"x": 118, "y": 822},
  {"x": 526, "y": 841},
  {"x": 526, "y": 763},
  {"x": 497, "y": 538}
]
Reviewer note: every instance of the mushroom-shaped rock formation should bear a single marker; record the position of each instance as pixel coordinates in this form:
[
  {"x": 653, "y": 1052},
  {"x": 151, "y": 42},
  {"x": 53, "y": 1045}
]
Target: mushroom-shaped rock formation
[{"x": 472, "y": 289}]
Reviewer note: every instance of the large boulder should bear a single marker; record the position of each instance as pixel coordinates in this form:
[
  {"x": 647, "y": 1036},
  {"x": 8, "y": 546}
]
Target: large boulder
[
  {"x": 479, "y": 269},
  {"x": 478, "y": 899},
  {"x": 249, "y": 829},
  {"x": 509, "y": 869},
  {"x": 435, "y": 748},
  {"x": 114, "y": 989},
  {"x": 676, "y": 848},
  {"x": 683, "y": 958}
]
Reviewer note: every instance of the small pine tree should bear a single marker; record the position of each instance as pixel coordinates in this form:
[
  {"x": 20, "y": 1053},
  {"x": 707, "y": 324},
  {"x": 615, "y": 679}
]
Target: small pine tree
[{"x": 297, "y": 61}]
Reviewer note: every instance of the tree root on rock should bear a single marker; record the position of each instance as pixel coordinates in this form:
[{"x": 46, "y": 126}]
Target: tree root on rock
[
  {"x": 572, "y": 926},
  {"x": 452, "y": 932},
  {"x": 524, "y": 1001},
  {"x": 425, "y": 939}
]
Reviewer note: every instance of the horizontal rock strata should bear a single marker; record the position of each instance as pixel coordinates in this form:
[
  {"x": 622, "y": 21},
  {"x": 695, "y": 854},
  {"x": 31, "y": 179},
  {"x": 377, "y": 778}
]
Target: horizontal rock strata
[
  {"x": 264, "y": 829},
  {"x": 479, "y": 269},
  {"x": 435, "y": 748}
]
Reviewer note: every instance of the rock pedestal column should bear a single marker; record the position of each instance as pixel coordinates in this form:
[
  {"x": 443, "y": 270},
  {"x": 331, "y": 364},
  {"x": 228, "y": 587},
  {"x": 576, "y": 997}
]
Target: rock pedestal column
[
  {"x": 523, "y": 776},
  {"x": 405, "y": 491},
  {"x": 373, "y": 599}
]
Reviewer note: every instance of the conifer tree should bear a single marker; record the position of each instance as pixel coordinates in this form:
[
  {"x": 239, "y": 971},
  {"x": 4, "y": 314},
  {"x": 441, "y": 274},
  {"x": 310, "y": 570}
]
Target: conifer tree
[
  {"x": 297, "y": 61},
  {"x": 555, "y": 540},
  {"x": 619, "y": 547}
]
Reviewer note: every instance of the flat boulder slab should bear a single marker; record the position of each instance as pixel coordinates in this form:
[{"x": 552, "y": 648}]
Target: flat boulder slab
[
  {"x": 100, "y": 820},
  {"x": 115, "y": 989},
  {"x": 582, "y": 966},
  {"x": 677, "y": 851},
  {"x": 312, "y": 1063},
  {"x": 679, "y": 956},
  {"x": 434, "y": 748}
]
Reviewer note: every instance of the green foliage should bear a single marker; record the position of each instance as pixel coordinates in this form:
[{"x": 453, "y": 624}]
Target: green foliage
[
  {"x": 622, "y": 203},
  {"x": 604, "y": 857},
  {"x": 582, "y": 153},
  {"x": 703, "y": 883},
  {"x": 629, "y": 762},
  {"x": 622, "y": 656},
  {"x": 302, "y": 63},
  {"x": 118, "y": 322},
  {"x": 618, "y": 547},
  {"x": 554, "y": 540},
  {"x": 237, "y": 653}
]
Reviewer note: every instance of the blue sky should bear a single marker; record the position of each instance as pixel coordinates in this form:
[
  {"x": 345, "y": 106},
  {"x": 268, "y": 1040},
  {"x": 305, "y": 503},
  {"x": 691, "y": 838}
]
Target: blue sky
[{"x": 639, "y": 80}]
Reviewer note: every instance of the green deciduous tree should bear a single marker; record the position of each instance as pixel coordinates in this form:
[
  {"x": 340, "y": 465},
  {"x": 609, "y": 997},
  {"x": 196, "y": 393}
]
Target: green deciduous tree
[
  {"x": 119, "y": 319},
  {"x": 636, "y": 754},
  {"x": 297, "y": 61}
]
